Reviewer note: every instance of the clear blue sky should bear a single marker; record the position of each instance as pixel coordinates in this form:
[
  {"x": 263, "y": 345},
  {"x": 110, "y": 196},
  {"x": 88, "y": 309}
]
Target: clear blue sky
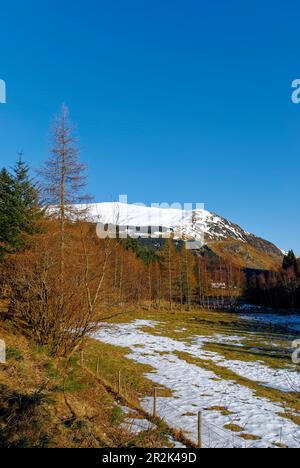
[{"x": 174, "y": 101}]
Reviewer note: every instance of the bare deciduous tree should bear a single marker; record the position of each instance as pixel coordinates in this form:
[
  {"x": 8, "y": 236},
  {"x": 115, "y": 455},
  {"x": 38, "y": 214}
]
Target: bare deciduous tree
[
  {"x": 64, "y": 178},
  {"x": 55, "y": 314}
]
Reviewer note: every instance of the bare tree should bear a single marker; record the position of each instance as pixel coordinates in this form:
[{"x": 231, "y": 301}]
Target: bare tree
[
  {"x": 55, "y": 314},
  {"x": 167, "y": 256},
  {"x": 63, "y": 178}
]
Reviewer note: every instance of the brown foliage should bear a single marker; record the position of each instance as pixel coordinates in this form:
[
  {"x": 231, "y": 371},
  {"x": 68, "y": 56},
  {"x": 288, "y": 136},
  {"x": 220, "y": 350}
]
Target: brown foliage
[{"x": 55, "y": 313}]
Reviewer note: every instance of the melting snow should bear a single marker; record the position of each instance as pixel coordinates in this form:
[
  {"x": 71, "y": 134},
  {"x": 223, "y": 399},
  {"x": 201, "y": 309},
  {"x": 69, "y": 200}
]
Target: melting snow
[
  {"x": 196, "y": 389},
  {"x": 134, "y": 423}
]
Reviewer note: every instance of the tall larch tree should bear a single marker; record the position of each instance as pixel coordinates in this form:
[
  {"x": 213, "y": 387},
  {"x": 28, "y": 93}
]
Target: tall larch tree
[
  {"x": 64, "y": 178},
  {"x": 167, "y": 257}
]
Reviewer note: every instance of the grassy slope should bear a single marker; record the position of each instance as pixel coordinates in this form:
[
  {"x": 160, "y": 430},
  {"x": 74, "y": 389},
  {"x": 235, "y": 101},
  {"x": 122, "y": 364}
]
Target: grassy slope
[{"x": 43, "y": 403}]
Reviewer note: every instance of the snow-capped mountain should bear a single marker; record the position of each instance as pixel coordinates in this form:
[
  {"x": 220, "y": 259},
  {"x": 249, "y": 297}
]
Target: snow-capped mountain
[
  {"x": 185, "y": 224},
  {"x": 199, "y": 225}
]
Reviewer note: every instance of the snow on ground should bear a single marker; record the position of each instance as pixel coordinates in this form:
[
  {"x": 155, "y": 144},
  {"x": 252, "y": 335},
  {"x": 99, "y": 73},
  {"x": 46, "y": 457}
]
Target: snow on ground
[
  {"x": 285, "y": 380},
  {"x": 290, "y": 322},
  {"x": 196, "y": 389},
  {"x": 134, "y": 423}
]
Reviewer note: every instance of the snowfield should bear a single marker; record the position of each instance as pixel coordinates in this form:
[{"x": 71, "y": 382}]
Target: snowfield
[
  {"x": 197, "y": 389},
  {"x": 188, "y": 223}
]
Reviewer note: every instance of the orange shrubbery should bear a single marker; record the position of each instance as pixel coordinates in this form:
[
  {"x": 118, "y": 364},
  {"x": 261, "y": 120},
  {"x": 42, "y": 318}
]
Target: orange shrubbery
[{"x": 57, "y": 311}]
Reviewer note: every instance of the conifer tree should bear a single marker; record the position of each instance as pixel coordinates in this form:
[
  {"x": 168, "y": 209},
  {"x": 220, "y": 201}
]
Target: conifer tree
[
  {"x": 289, "y": 260},
  {"x": 19, "y": 207},
  {"x": 26, "y": 199},
  {"x": 7, "y": 235}
]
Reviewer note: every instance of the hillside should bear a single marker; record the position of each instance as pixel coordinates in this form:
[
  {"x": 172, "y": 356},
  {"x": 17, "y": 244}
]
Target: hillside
[
  {"x": 223, "y": 237},
  {"x": 55, "y": 403},
  {"x": 246, "y": 255}
]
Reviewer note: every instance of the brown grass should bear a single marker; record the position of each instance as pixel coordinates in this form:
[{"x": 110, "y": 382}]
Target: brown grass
[
  {"x": 249, "y": 437},
  {"x": 59, "y": 404},
  {"x": 233, "y": 428}
]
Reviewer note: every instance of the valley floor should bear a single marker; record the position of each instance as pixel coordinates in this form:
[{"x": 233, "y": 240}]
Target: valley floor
[
  {"x": 54, "y": 403},
  {"x": 236, "y": 371}
]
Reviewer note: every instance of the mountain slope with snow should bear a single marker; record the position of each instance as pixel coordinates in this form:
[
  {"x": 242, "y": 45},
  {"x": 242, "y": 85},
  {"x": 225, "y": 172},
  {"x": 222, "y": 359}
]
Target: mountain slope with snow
[
  {"x": 223, "y": 236},
  {"x": 187, "y": 224}
]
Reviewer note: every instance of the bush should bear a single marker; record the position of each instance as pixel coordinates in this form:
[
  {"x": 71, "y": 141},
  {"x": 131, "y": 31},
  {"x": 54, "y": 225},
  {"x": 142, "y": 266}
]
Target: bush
[{"x": 57, "y": 309}]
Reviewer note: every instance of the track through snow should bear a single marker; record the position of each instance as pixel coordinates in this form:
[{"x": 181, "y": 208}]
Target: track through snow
[{"x": 197, "y": 389}]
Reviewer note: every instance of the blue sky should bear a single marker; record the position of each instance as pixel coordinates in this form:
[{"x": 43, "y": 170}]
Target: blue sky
[{"x": 175, "y": 101}]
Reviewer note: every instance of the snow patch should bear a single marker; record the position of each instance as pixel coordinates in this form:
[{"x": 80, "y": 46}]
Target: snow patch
[{"x": 196, "y": 389}]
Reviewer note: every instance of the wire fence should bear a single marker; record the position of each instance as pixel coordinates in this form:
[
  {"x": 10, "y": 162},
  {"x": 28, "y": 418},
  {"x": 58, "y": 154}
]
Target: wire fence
[
  {"x": 194, "y": 425},
  {"x": 211, "y": 435}
]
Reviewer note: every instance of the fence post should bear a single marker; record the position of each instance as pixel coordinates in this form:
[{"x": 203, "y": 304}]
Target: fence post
[
  {"x": 280, "y": 436},
  {"x": 200, "y": 430},
  {"x": 154, "y": 403},
  {"x": 119, "y": 383}
]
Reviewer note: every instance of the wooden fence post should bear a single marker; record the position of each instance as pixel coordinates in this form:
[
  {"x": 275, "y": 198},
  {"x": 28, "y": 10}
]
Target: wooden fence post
[
  {"x": 154, "y": 403},
  {"x": 200, "y": 430},
  {"x": 119, "y": 383}
]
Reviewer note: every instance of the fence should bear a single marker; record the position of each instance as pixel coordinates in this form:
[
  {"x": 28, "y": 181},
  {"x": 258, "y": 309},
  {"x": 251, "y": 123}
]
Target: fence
[{"x": 200, "y": 433}]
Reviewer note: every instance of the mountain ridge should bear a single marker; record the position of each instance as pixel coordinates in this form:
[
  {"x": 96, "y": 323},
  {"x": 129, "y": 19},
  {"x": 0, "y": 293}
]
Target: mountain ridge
[{"x": 220, "y": 234}]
